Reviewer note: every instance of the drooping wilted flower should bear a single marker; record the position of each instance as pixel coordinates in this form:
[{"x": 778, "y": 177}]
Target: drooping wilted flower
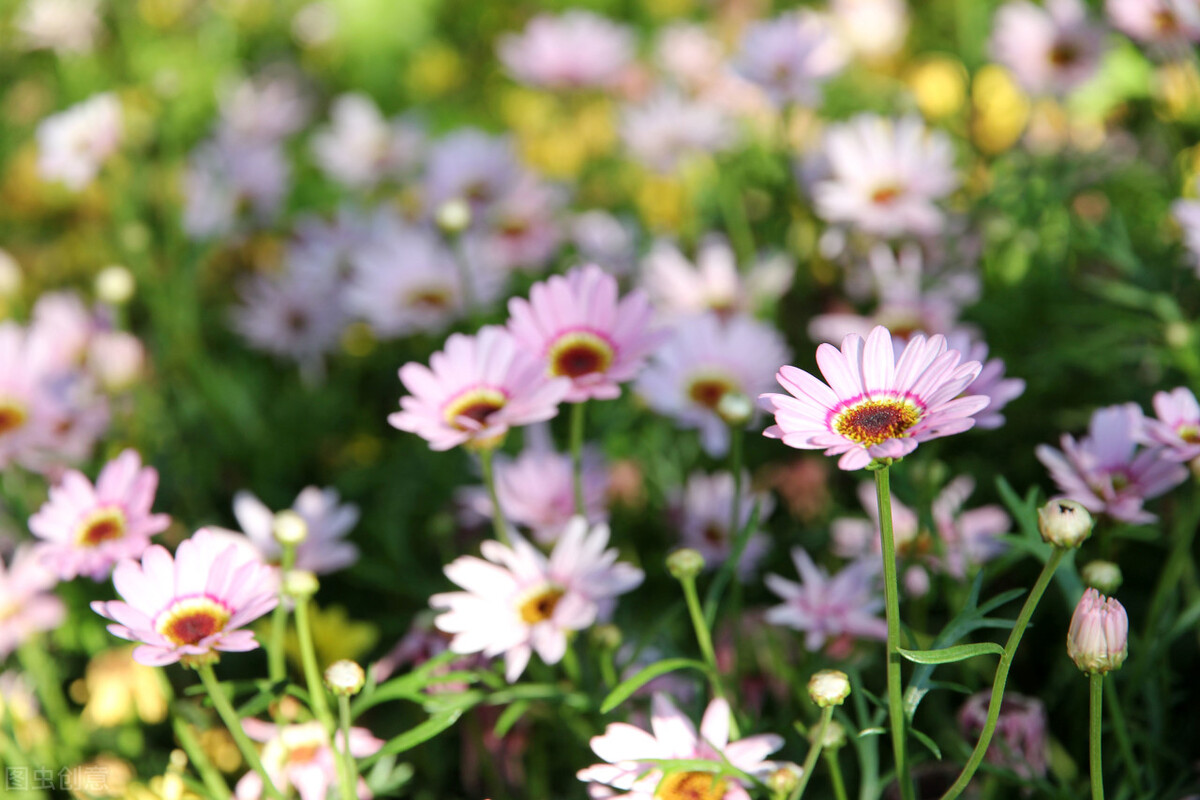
[
  {"x": 886, "y": 176},
  {"x": 303, "y": 757},
  {"x": 629, "y": 753},
  {"x": 573, "y": 50},
  {"x": 705, "y": 360},
  {"x": 1051, "y": 49},
  {"x": 579, "y": 329},
  {"x": 475, "y": 389},
  {"x": 74, "y": 144},
  {"x": 827, "y": 607},
  {"x": 518, "y": 601},
  {"x": 1106, "y": 471},
  {"x": 1098, "y": 640},
  {"x": 879, "y": 406},
  {"x": 85, "y": 529},
  {"x": 190, "y": 606}
]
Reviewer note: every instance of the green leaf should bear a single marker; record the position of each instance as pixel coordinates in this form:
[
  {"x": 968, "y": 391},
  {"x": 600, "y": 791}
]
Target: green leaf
[
  {"x": 511, "y": 716},
  {"x": 627, "y": 687},
  {"x": 865, "y": 732},
  {"x": 418, "y": 735},
  {"x": 949, "y": 655},
  {"x": 407, "y": 687},
  {"x": 929, "y": 743}
]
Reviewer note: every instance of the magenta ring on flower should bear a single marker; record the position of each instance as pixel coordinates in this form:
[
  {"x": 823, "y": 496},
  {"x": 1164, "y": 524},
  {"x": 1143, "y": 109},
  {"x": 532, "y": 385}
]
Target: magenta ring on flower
[{"x": 874, "y": 404}]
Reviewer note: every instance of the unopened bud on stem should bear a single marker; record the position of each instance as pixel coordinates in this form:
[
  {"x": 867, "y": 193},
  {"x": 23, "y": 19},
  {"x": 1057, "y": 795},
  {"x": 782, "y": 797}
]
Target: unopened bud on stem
[{"x": 1064, "y": 523}]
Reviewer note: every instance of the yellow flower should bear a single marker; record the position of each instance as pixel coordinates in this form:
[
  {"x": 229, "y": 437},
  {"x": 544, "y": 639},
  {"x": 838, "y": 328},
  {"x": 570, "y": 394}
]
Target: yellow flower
[
  {"x": 435, "y": 70},
  {"x": 939, "y": 84},
  {"x": 999, "y": 110},
  {"x": 335, "y": 636},
  {"x": 118, "y": 688}
]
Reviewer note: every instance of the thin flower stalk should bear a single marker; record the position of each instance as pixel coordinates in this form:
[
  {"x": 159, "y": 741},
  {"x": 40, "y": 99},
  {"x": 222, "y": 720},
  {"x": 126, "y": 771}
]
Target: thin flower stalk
[
  {"x": 1095, "y": 734},
  {"x": 230, "y": 718},
  {"x": 1001, "y": 679},
  {"x": 577, "y": 421},
  {"x": 814, "y": 751},
  {"x": 347, "y": 768},
  {"x": 276, "y": 658},
  {"x": 835, "y": 774},
  {"x": 312, "y": 675},
  {"x": 704, "y": 639},
  {"x": 489, "y": 479}
]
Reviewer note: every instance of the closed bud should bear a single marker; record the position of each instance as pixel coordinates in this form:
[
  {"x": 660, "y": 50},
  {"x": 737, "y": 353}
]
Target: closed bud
[
  {"x": 1103, "y": 576},
  {"x": 1098, "y": 639},
  {"x": 115, "y": 285},
  {"x": 829, "y": 687},
  {"x": 685, "y": 564},
  {"x": 345, "y": 677},
  {"x": 300, "y": 584},
  {"x": 453, "y": 216},
  {"x": 1064, "y": 523},
  {"x": 784, "y": 778},
  {"x": 835, "y": 735},
  {"x": 735, "y": 408},
  {"x": 607, "y": 636},
  {"x": 289, "y": 528}
]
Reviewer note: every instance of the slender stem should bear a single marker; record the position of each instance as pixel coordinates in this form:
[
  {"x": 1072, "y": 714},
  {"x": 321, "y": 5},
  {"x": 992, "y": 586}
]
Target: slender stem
[
  {"x": 276, "y": 657},
  {"x": 1094, "y": 735},
  {"x": 347, "y": 769},
  {"x": 1006, "y": 659},
  {"x": 312, "y": 673},
  {"x": 891, "y": 599},
  {"x": 229, "y": 717},
  {"x": 735, "y": 466},
  {"x": 42, "y": 670},
  {"x": 814, "y": 750},
  {"x": 191, "y": 745},
  {"x": 704, "y": 638},
  {"x": 835, "y": 774},
  {"x": 577, "y": 417},
  {"x": 464, "y": 278},
  {"x": 489, "y": 479},
  {"x": 1121, "y": 733},
  {"x": 570, "y": 662}
]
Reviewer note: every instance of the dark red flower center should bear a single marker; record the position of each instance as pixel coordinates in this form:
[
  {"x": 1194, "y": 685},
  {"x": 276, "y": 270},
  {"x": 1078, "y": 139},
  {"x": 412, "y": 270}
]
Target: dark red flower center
[
  {"x": 874, "y": 421},
  {"x": 580, "y": 353}
]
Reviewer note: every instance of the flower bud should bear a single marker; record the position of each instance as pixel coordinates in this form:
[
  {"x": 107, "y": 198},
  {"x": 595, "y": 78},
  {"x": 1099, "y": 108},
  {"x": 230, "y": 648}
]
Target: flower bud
[
  {"x": 289, "y": 528},
  {"x": 300, "y": 584},
  {"x": 835, "y": 735},
  {"x": 784, "y": 778},
  {"x": 1103, "y": 576},
  {"x": 345, "y": 677},
  {"x": 114, "y": 285},
  {"x": 829, "y": 687},
  {"x": 685, "y": 564},
  {"x": 735, "y": 408},
  {"x": 1098, "y": 639},
  {"x": 607, "y": 636},
  {"x": 453, "y": 216},
  {"x": 1064, "y": 523}
]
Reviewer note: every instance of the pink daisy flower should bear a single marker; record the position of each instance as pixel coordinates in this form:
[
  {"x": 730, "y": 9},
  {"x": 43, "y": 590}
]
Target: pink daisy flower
[
  {"x": 704, "y": 507},
  {"x": 968, "y": 537},
  {"x": 791, "y": 56},
  {"x": 679, "y": 287},
  {"x": 329, "y": 521},
  {"x": 1177, "y": 427},
  {"x": 303, "y": 757},
  {"x": 879, "y": 406},
  {"x": 991, "y": 383},
  {"x": 580, "y": 330},
  {"x": 85, "y": 529},
  {"x": 704, "y": 360},
  {"x": 1051, "y": 49},
  {"x": 27, "y": 602},
  {"x": 518, "y": 601},
  {"x": 572, "y": 50},
  {"x": 475, "y": 389},
  {"x": 1105, "y": 471},
  {"x": 74, "y": 144},
  {"x": 886, "y": 176},
  {"x": 844, "y": 606},
  {"x": 1156, "y": 21},
  {"x": 668, "y": 129},
  {"x": 630, "y": 752},
  {"x": 1186, "y": 214},
  {"x": 189, "y": 607}
]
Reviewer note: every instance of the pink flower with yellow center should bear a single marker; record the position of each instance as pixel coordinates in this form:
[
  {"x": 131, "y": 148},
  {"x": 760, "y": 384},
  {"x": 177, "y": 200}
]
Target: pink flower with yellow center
[
  {"x": 85, "y": 529},
  {"x": 581, "y": 331},
  {"x": 303, "y": 757},
  {"x": 1177, "y": 427},
  {"x": 518, "y": 601},
  {"x": 27, "y": 601},
  {"x": 189, "y": 607},
  {"x": 875, "y": 405},
  {"x": 475, "y": 389}
]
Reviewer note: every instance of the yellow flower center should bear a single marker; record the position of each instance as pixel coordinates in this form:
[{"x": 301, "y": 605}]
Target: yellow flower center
[
  {"x": 1189, "y": 433},
  {"x": 190, "y": 619},
  {"x": 1165, "y": 21},
  {"x": 580, "y": 353},
  {"x": 12, "y": 415},
  {"x": 538, "y": 604},
  {"x": 707, "y": 390},
  {"x": 873, "y": 421},
  {"x": 885, "y": 194},
  {"x": 690, "y": 786},
  {"x": 431, "y": 298},
  {"x": 99, "y": 526},
  {"x": 474, "y": 404}
]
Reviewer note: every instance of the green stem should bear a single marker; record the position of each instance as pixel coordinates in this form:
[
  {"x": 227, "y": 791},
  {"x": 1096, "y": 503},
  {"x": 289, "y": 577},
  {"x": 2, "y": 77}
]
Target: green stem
[
  {"x": 1121, "y": 732},
  {"x": 835, "y": 774},
  {"x": 312, "y": 674},
  {"x": 814, "y": 751},
  {"x": 276, "y": 657},
  {"x": 1094, "y": 735},
  {"x": 891, "y": 598},
  {"x": 489, "y": 479},
  {"x": 1006, "y": 659},
  {"x": 577, "y": 418},
  {"x": 570, "y": 662},
  {"x": 229, "y": 717},
  {"x": 737, "y": 224},
  {"x": 704, "y": 638},
  {"x": 347, "y": 769},
  {"x": 41, "y": 669},
  {"x": 208, "y": 773},
  {"x": 735, "y": 466}
]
